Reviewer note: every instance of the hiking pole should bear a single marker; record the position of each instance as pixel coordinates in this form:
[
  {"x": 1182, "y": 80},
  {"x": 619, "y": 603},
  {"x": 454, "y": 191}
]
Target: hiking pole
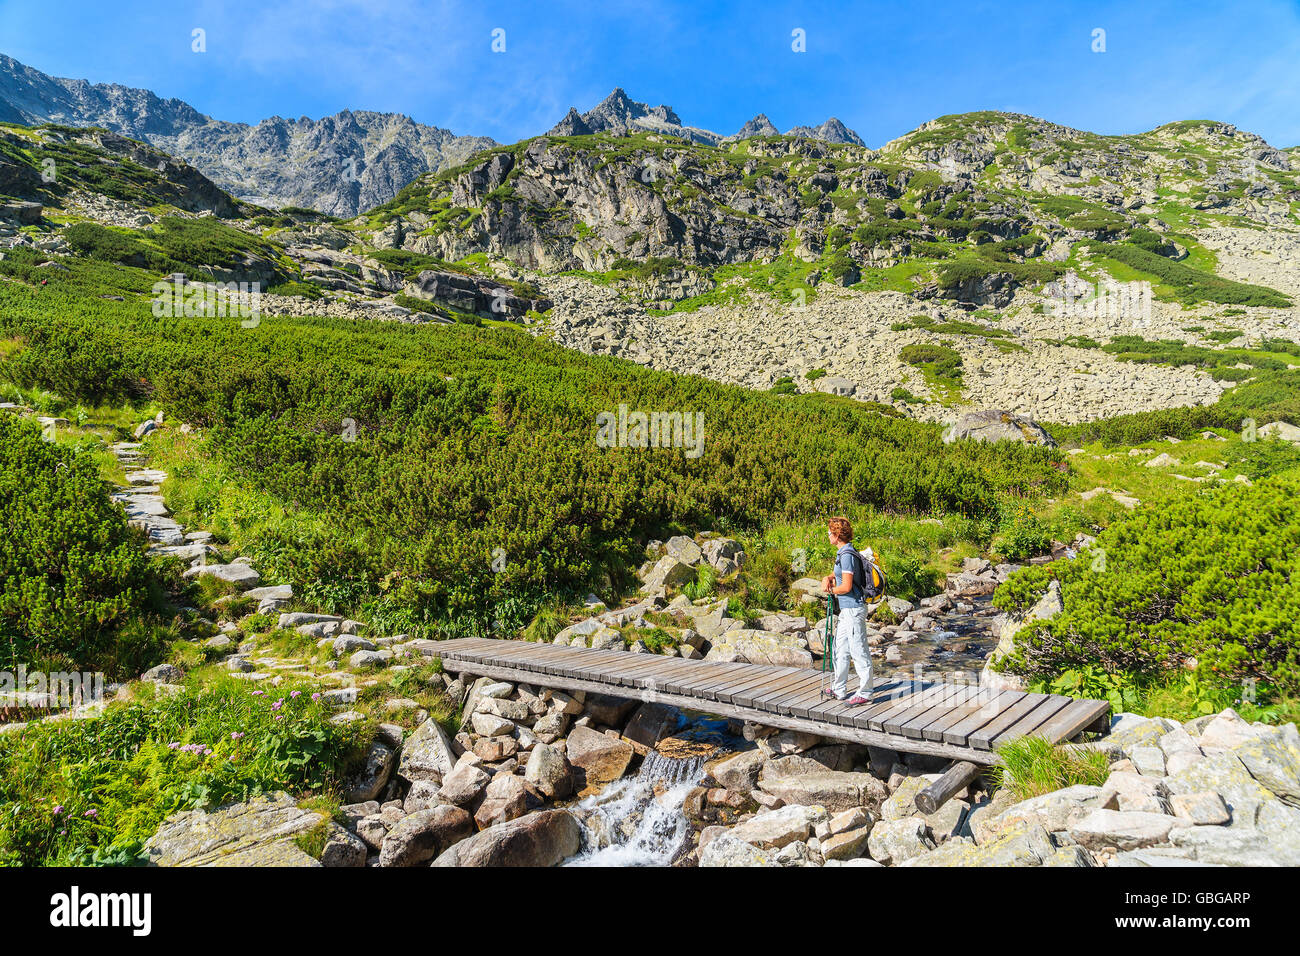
[{"x": 828, "y": 639}]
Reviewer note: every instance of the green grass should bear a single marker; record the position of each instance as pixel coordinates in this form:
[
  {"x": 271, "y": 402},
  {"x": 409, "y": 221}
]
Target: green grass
[
  {"x": 1033, "y": 766},
  {"x": 82, "y": 792}
]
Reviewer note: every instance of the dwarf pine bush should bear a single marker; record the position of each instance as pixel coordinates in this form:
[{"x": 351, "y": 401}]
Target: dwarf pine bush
[
  {"x": 73, "y": 573},
  {"x": 1209, "y": 579},
  {"x": 467, "y": 441}
]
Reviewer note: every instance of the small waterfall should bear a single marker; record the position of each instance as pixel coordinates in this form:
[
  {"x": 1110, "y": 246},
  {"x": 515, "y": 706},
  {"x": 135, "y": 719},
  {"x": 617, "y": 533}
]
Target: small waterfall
[{"x": 639, "y": 821}]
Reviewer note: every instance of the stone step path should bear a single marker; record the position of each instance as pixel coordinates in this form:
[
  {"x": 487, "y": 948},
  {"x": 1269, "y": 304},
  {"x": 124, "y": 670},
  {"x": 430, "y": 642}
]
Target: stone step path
[{"x": 142, "y": 500}]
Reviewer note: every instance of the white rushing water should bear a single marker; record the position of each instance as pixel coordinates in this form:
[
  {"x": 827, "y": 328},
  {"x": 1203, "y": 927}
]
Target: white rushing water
[{"x": 639, "y": 821}]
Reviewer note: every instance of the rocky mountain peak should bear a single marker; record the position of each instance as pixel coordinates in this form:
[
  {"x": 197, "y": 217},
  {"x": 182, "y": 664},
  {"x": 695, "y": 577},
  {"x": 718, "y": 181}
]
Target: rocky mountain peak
[
  {"x": 339, "y": 164},
  {"x": 619, "y": 113},
  {"x": 831, "y": 131},
  {"x": 760, "y": 125},
  {"x": 572, "y": 125}
]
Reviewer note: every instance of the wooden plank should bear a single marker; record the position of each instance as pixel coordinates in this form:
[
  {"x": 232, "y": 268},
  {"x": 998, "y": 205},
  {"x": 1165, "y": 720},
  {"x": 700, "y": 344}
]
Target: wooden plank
[
  {"x": 673, "y": 671},
  {"x": 983, "y": 738},
  {"x": 723, "y": 678},
  {"x": 952, "y": 698},
  {"x": 693, "y": 677},
  {"x": 809, "y": 688},
  {"x": 883, "y": 699},
  {"x": 632, "y": 673},
  {"x": 670, "y": 669},
  {"x": 959, "y": 733},
  {"x": 806, "y": 706},
  {"x": 936, "y": 729},
  {"x": 907, "y": 702},
  {"x": 1079, "y": 716},
  {"x": 910, "y": 707},
  {"x": 1029, "y": 726},
  {"x": 742, "y": 691},
  {"x": 791, "y": 682}
]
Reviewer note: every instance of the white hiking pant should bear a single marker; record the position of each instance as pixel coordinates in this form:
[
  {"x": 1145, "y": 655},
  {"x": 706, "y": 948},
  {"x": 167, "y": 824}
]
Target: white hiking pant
[{"x": 851, "y": 641}]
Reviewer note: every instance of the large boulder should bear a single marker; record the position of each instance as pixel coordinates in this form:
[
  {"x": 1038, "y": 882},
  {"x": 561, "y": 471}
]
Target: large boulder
[
  {"x": 752, "y": 646},
  {"x": 1238, "y": 845},
  {"x": 368, "y": 782},
  {"x": 242, "y": 576},
  {"x": 993, "y": 425},
  {"x": 1283, "y": 431},
  {"x": 667, "y": 572},
  {"x": 1273, "y": 759},
  {"x": 549, "y": 771},
  {"x": 651, "y": 723},
  {"x": 1227, "y": 776},
  {"x": 601, "y": 758},
  {"x": 1123, "y": 829},
  {"x": 427, "y": 754},
  {"x": 506, "y": 798},
  {"x": 1053, "y": 811},
  {"x": 834, "y": 790},
  {"x": 776, "y": 828},
  {"x": 1025, "y": 844},
  {"x": 894, "y": 841},
  {"x": 463, "y": 785},
  {"x": 1227, "y": 731},
  {"x": 538, "y": 839},
  {"x": 684, "y": 549},
  {"x": 739, "y": 772},
  {"x": 342, "y": 849},
  {"x": 723, "y": 553},
  {"x": 607, "y": 710},
  {"x": 259, "y": 832},
  {"x": 422, "y": 835},
  {"x": 726, "y": 850}
]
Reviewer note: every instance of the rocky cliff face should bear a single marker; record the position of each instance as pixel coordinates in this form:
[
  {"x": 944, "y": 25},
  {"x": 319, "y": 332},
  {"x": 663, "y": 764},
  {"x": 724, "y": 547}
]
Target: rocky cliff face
[
  {"x": 58, "y": 165},
  {"x": 991, "y": 197},
  {"x": 556, "y": 205},
  {"x": 340, "y": 164}
]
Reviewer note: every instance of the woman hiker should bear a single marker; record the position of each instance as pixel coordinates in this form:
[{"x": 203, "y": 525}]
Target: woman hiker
[{"x": 851, "y": 631}]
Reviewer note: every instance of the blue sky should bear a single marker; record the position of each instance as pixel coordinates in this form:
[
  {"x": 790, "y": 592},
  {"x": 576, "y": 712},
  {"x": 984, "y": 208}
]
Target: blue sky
[{"x": 882, "y": 68}]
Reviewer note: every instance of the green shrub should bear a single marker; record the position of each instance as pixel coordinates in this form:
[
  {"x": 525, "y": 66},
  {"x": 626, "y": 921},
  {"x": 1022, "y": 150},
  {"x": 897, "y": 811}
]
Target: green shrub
[
  {"x": 703, "y": 585},
  {"x": 940, "y": 362},
  {"x": 72, "y": 571},
  {"x": 1021, "y": 535},
  {"x": 472, "y": 439},
  {"x": 1190, "y": 285},
  {"x": 1202, "y": 580}
]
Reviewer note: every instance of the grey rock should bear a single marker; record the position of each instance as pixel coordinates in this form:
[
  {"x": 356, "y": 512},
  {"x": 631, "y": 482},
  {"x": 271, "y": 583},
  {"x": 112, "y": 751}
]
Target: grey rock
[
  {"x": 420, "y": 836},
  {"x": 546, "y": 838}
]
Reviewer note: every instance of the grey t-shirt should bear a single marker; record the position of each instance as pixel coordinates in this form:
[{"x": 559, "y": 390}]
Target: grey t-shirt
[{"x": 848, "y": 562}]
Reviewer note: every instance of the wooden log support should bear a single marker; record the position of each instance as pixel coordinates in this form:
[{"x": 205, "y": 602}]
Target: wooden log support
[{"x": 955, "y": 778}]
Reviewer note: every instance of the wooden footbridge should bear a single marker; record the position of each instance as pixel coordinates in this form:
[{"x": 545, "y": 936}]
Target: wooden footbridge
[{"x": 964, "y": 723}]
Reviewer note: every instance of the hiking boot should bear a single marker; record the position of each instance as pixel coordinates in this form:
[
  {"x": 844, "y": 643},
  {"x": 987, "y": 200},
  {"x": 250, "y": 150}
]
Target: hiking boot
[
  {"x": 831, "y": 693},
  {"x": 858, "y": 701}
]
